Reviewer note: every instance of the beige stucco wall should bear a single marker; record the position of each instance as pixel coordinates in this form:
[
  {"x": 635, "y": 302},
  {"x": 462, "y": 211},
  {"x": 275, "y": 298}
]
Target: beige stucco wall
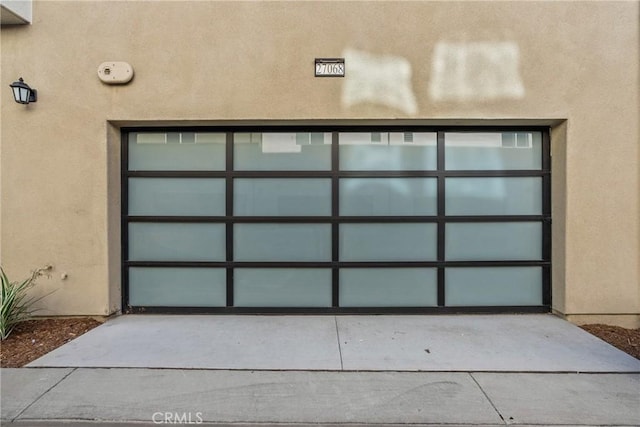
[{"x": 570, "y": 65}]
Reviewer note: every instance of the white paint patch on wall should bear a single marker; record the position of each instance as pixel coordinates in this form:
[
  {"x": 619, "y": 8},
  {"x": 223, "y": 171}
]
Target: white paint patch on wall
[
  {"x": 475, "y": 71},
  {"x": 378, "y": 79}
]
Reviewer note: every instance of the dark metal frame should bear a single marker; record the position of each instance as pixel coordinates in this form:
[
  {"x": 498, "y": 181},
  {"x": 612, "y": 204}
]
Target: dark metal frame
[{"x": 335, "y": 219}]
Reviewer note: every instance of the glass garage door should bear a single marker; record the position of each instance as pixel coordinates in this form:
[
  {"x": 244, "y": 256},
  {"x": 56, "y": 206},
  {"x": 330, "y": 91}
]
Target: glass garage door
[{"x": 336, "y": 220}]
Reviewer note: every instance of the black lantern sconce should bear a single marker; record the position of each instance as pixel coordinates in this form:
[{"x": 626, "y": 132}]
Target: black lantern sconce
[{"x": 22, "y": 93}]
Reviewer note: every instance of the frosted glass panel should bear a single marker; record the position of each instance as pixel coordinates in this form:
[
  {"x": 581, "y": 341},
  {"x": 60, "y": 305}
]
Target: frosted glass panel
[
  {"x": 388, "y": 287},
  {"x": 388, "y": 151},
  {"x": 179, "y": 287},
  {"x": 388, "y": 196},
  {"x": 282, "y": 151},
  {"x": 493, "y": 241},
  {"x": 282, "y": 242},
  {"x": 493, "y": 150},
  {"x": 493, "y": 196},
  {"x": 176, "y": 151},
  {"x": 177, "y": 196},
  {"x": 493, "y": 286},
  {"x": 388, "y": 242},
  {"x": 300, "y": 196},
  {"x": 176, "y": 242},
  {"x": 282, "y": 287}
]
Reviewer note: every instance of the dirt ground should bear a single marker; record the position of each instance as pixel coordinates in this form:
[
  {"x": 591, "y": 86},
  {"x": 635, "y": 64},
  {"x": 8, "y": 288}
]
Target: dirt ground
[
  {"x": 35, "y": 338},
  {"x": 627, "y": 340}
]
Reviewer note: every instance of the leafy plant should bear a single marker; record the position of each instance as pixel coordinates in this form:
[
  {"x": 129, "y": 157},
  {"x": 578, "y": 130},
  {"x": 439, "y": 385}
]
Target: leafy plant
[{"x": 16, "y": 305}]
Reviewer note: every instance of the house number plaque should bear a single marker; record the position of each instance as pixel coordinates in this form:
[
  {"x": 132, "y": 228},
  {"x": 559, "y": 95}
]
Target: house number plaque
[{"x": 329, "y": 67}]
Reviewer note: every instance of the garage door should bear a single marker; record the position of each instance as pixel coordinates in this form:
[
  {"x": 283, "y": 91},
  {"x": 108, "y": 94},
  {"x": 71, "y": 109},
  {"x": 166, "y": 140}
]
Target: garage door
[{"x": 336, "y": 220}]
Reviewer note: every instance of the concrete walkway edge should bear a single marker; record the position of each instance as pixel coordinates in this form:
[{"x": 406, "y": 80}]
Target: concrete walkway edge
[{"x": 57, "y": 396}]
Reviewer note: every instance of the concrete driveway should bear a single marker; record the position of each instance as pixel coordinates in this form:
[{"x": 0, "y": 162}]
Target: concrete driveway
[
  {"x": 495, "y": 343},
  {"x": 327, "y": 370}
]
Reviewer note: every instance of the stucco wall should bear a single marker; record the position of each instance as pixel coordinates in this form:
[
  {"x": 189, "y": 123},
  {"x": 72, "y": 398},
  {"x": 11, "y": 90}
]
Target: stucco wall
[{"x": 571, "y": 65}]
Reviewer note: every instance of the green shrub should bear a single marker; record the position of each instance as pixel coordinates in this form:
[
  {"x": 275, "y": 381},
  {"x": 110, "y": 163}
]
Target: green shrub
[{"x": 17, "y": 306}]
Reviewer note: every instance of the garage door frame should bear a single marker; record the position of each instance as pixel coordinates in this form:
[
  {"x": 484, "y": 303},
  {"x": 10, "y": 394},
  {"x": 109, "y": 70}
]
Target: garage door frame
[{"x": 335, "y": 174}]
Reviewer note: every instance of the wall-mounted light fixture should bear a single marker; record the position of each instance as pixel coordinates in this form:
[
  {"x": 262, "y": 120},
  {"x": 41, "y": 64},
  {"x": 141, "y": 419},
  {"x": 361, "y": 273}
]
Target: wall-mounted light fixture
[{"x": 22, "y": 93}]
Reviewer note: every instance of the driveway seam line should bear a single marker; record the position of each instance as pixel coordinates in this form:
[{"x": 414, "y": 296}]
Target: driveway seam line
[
  {"x": 335, "y": 318},
  {"x": 488, "y": 398},
  {"x": 42, "y": 395}
]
